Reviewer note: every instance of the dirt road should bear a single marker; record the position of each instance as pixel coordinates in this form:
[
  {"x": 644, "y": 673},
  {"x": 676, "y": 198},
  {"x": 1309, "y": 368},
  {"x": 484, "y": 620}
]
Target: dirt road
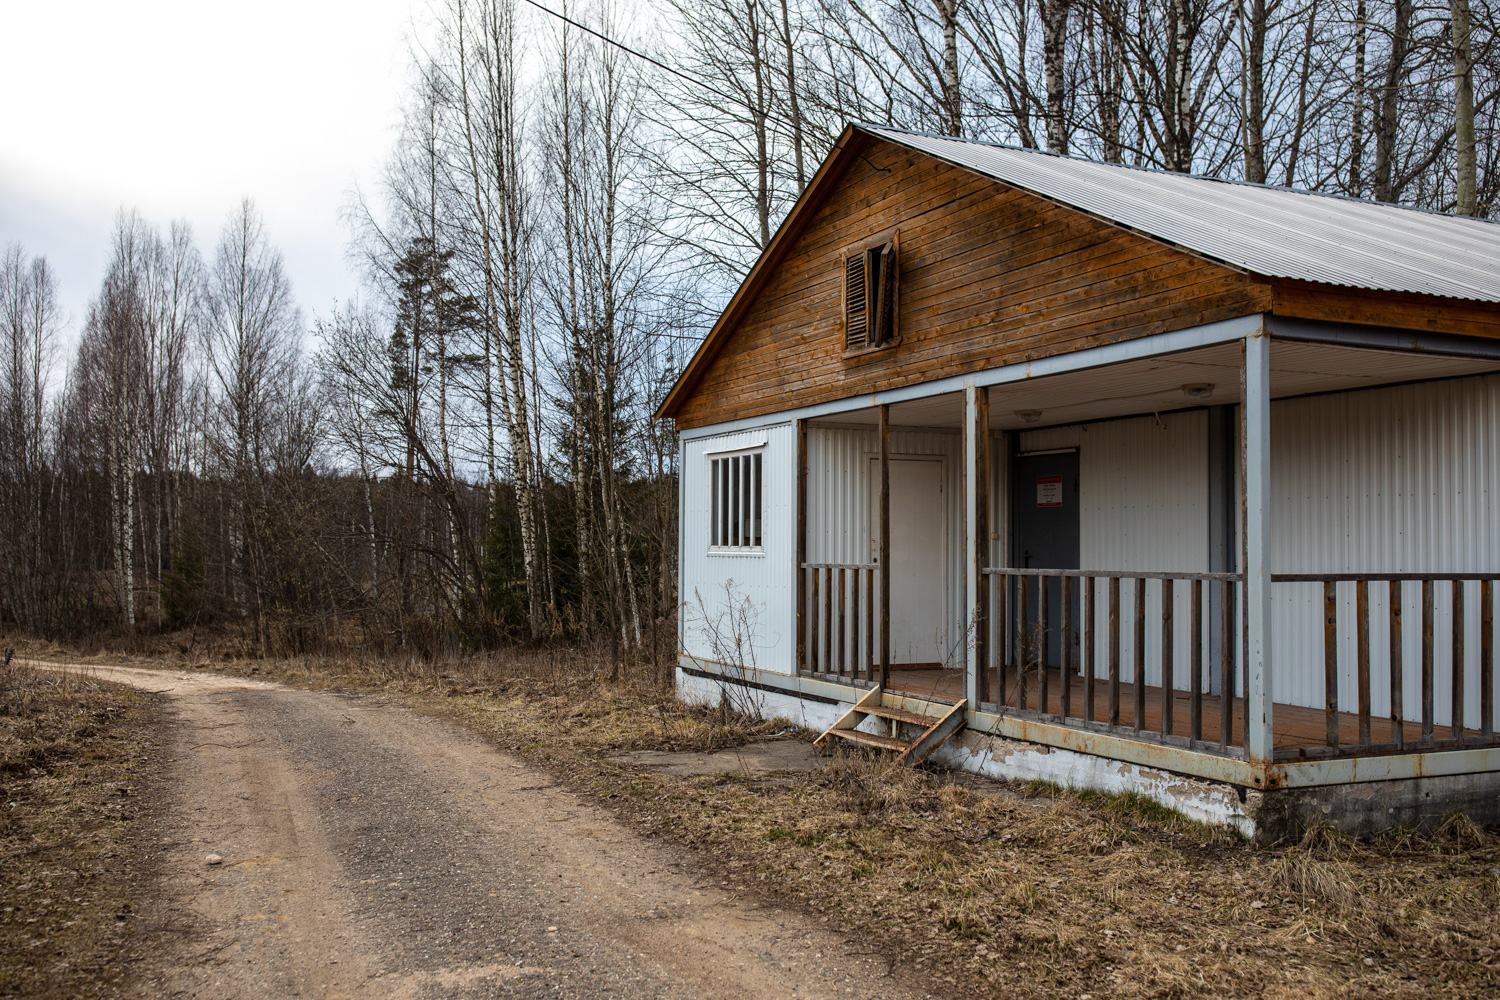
[{"x": 368, "y": 851}]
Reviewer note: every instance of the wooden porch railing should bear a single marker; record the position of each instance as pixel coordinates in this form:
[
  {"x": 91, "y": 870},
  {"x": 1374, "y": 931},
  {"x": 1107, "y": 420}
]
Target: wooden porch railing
[
  {"x": 840, "y": 620},
  {"x": 1418, "y": 592},
  {"x": 1084, "y": 687}
]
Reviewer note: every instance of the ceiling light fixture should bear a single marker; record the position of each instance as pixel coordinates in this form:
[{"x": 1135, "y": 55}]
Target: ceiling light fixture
[
  {"x": 1198, "y": 390},
  {"x": 1029, "y": 416}
]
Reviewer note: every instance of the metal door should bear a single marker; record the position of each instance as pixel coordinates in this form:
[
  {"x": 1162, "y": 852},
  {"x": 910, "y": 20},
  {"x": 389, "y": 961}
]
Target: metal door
[{"x": 1046, "y": 536}]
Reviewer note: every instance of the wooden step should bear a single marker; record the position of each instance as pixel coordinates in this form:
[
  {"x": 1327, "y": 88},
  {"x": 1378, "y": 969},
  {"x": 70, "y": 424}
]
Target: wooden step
[
  {"x": 900, "y": 715},
  {"x": 951, "y": 722},
  {"x": 871, "y": 740}
]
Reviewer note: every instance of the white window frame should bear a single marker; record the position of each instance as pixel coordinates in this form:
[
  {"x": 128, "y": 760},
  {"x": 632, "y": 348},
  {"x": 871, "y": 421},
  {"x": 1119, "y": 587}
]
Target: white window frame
[{"x": 736, "y": 502}]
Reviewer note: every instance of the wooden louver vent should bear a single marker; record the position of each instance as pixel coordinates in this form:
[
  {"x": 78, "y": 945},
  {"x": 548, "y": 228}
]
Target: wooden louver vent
[{"x": 870, "y": 296}]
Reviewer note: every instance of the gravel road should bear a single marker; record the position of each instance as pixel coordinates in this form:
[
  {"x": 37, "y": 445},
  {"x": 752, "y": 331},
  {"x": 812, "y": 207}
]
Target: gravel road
[{"x": 368, "y": 851}]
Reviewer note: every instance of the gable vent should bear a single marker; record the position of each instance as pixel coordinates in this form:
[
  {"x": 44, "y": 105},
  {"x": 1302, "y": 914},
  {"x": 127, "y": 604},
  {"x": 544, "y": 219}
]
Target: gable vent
[{"x": 856, "y": 301}]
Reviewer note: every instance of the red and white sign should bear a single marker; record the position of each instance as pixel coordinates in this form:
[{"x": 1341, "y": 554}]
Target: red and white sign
[{"x": 1049, "y": 491}]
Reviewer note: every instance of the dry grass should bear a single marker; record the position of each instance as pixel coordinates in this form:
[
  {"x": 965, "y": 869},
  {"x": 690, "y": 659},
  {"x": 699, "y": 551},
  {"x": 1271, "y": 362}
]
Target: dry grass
[
  {"x": 1014, "y": 891},
  {"x": 70, "y": 754}
]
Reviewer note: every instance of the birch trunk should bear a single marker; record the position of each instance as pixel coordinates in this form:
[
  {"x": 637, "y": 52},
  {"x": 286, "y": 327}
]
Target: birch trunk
[
  {"x": 1466, "y": 172},
  {"x": 1054, "y": 40}
]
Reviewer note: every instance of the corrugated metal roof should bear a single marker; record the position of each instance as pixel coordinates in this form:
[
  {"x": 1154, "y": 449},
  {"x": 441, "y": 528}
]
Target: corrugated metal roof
[{"x": 1275, "y": 232}]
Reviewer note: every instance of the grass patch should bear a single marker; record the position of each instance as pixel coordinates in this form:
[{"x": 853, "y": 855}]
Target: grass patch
[{"x": 72, "y": 756}]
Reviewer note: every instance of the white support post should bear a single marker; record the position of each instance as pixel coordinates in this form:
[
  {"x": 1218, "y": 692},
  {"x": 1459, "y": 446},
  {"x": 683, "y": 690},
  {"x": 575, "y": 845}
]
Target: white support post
[
  {"x": 976, "y": 539},
  {"x": 1255, "y": 417}
]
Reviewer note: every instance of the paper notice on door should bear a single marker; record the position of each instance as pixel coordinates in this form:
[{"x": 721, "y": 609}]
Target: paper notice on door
[{"x": 1049, "y": 491}]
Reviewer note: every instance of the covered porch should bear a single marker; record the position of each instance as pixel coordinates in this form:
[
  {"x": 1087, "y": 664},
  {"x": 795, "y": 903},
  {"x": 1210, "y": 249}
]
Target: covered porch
[{"x": 1113, "y": 544}]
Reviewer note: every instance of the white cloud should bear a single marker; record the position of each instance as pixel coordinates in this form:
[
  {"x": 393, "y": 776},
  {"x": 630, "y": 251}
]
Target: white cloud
[{"x": 180, "y": 109}]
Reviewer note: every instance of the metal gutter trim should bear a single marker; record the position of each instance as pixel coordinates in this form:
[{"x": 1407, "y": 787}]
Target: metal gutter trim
[
  {"x": 1386, "y": 767},
  {"x": 1383, "y": 339},
  {"x": 1221, "y": 332}
]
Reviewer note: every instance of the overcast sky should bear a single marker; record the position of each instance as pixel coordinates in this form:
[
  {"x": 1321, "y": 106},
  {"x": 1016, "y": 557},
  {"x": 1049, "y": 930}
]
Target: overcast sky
[{"x": 180, "y": 109}]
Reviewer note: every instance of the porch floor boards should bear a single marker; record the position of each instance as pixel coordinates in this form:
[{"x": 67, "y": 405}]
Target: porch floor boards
[{"x": 1294, "y": 726}]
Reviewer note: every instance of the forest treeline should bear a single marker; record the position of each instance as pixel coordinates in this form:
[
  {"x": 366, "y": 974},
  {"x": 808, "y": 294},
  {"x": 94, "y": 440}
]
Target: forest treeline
[{"x": 465, "y": 456}]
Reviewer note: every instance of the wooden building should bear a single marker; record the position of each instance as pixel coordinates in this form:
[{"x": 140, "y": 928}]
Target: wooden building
[{"x": 1141, "y": 481}]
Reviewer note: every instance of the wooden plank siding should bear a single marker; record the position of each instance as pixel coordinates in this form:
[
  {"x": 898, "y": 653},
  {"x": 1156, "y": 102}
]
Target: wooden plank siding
[
  {"x": 990, "y": 275},
  {"x": 1400, "y": 310}
]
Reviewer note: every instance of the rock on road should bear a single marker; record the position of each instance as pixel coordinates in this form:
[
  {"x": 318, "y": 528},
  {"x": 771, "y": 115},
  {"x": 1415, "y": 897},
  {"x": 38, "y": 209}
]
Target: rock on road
[{"x": 368, "y": 851}]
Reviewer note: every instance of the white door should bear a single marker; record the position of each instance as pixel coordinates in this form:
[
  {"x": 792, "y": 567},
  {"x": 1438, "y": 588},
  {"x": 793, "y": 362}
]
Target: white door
[{"x": 919, "y": 558}]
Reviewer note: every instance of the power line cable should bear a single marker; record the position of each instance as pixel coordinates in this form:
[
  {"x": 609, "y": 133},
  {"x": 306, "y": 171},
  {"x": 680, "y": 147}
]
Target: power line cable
[{"x": 695, "y": 81}]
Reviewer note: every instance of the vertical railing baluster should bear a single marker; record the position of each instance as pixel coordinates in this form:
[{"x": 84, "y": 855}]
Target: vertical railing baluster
[
  {"x": 1065, "y": 645},
  {"x": 1331, "y": 663},
  {"x": 1428, "y": 667},
  {"x": 1020, "y": 642},
  {"x": 1140, "y": 653},
  {"x": 1114, "y": 651},
  {"x": 843, "y": 616},
  {"x": 867, "y": 660},
  {"x": 1090, "y": 653},
  {"x": 994, "y": 651},
  {"x": 1226, "y": 664},
  {"x": 1458, "y": 660},
  {"x": 1486, "y": 661},
  {"x": 1362, "y": 663},
  {"x": 1195, "y": 686},
  {"x": 831, "y": 627},
  {"x": 1168, "y": 675},
  {"x": 1245, "y": 706},
  {"x": 814, "y": 650},
  {"x": 1398, "y": 694},
  {"x": 1043, "y": 599},
  {"x": 855, "y": 630}
]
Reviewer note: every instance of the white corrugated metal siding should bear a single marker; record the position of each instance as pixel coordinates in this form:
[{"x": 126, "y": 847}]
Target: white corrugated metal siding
[
  {"x": 762, "y": 583},
  {"x": 1143, "y": 497},
  {"x": 1402, "y": 480},
  {"x": 838, "y": 497}
]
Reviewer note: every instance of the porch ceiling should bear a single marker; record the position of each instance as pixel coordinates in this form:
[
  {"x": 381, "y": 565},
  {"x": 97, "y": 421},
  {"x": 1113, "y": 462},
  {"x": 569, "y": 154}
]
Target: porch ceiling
[{"x": 1156, "y": 385}]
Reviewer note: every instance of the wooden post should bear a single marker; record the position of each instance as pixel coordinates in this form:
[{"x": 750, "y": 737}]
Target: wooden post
[
  {"x": 1044, "y": 593},
  {"x": 1427, "y": 662},
  {"x": 1331, "y": 663},
  {"x": 843, "y": 618},
  {"x": 884, "y": 556},
  {"x": 1114, "y": 651},
  {"x": 1090, "y": 654},
  {"x": 1362, "y": 653},
  {"x": 1139, "y": 671},
  {"x": 1255, "y": 416},
  {"x": 1195, "y": 683},
  {"x": 1168, "y": 675},
  {"x": 1065, "y": 650},
  {"x": 801, "y": 572},
  {"x": 1398, "y": 693},
  {"x": 1226, "y": 665},
  {"x": 1486, "y": 661},
  {"x": 977, "y": 538},
  {"x": 1458, "y": 660}
]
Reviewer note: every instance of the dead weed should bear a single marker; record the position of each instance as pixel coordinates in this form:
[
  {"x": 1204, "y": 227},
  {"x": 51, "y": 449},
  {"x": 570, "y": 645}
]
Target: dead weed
[
  {"x": 1025, "y": 891},
  {"x": 70, "y": 754}
]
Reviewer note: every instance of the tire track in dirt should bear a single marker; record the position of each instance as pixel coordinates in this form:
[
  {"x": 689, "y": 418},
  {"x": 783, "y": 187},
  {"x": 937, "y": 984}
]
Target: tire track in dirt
[{"x": 369, "y": 851}]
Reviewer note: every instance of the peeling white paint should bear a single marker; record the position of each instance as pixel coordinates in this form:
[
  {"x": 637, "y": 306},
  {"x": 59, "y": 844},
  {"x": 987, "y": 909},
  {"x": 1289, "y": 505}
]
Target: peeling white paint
[
  {"x": 818, "y": 715},
  {"x": 995, "y": 757},
  {"x": 1210, "y": 802}
]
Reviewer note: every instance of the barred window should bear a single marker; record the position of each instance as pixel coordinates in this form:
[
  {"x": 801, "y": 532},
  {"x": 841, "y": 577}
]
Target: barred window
[{"x": 736, "y": 501}]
